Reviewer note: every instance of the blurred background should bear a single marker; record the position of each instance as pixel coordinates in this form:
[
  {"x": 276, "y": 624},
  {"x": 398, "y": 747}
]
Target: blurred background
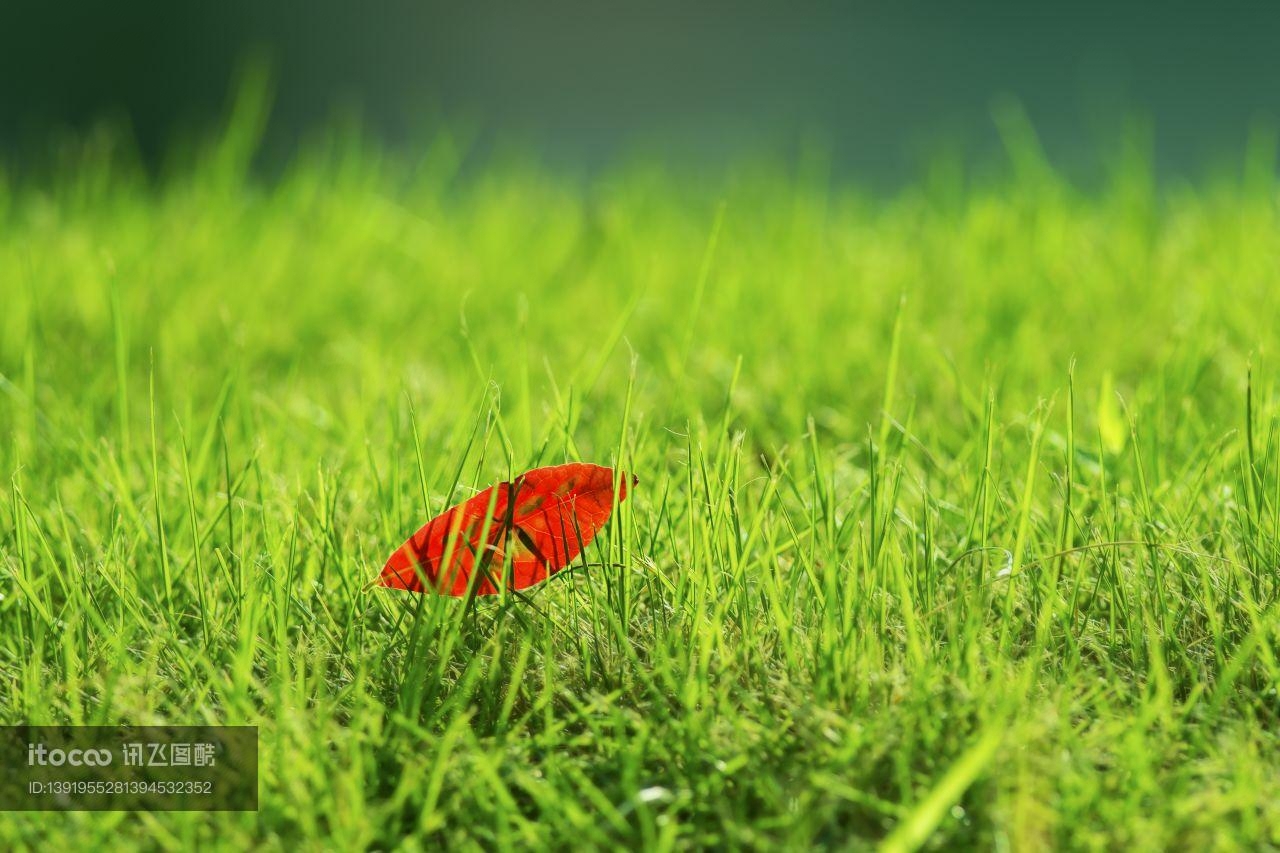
[{"x": 881, "y": 87}]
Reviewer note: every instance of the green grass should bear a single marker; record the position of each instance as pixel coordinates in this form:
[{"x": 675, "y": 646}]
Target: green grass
[{"x": 957, "y": 520}]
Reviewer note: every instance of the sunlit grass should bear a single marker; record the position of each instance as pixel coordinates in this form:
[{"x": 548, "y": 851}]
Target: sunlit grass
[{"x": 957, "y": 519}]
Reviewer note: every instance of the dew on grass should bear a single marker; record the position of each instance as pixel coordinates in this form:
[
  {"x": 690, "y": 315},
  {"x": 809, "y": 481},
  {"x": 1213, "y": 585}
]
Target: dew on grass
[{"x": 653, "y": 795}]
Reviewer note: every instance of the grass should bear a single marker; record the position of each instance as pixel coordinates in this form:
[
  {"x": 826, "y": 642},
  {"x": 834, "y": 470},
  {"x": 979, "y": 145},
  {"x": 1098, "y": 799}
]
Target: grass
[{"x": 957, "y": 522}]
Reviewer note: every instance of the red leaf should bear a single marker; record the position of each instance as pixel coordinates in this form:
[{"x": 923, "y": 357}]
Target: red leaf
[{"x": 538, "y": 524}]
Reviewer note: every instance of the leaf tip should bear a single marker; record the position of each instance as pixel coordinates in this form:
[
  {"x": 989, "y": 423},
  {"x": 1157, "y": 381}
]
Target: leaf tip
[{"x": 399, "y": 572}]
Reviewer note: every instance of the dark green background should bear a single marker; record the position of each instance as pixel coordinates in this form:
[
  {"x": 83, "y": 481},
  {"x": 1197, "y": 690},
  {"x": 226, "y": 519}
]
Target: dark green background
[{"x": 881, "y": 85}]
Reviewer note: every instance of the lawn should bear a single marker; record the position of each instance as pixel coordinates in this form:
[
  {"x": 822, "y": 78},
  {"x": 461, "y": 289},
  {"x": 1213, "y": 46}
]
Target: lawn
[{"x": 957, "y": 525}]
